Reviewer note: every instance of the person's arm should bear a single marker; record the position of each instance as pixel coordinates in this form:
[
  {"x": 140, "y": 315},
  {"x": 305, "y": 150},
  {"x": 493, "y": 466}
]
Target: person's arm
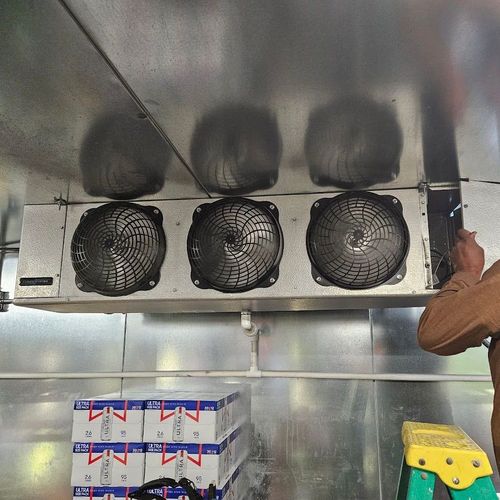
[{"x": 467, "y": 309}]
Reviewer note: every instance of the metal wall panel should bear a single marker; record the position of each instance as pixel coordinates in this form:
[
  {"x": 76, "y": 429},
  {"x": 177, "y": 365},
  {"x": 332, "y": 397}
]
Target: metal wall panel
[
  {"x": 311, "y": 439},
  {"x": 190, "y": 62},
  {"x": 57, "y": 95},
  {"x": 35, "y": 435},
  {"x": 330, "y": 341},
  {"x": 395, "y": 348},
  {"x": 185, "y": 342},
  {"x": 39, "y": 341},
  {"x": 467, "y": 404}
]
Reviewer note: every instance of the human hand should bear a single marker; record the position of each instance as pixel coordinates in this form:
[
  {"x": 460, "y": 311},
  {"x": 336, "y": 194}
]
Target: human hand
[{"x": 467, "y": 255}]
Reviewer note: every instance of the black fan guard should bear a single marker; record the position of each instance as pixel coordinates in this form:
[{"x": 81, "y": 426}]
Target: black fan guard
[
  {"x": 389, "y": 230},
  {"x": 118, "y": 249},
  {"x": 214, "y": 227}
]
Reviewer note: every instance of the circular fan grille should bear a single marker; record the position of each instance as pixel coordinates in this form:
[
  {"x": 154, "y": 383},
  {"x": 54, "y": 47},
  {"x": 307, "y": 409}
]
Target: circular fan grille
[
  {"x": 235, "y": 245},
  {"x": 118, "y": 249},
  {"x": 358, "y": 240}
]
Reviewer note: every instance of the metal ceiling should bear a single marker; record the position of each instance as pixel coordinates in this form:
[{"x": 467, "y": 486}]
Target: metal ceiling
[{"x": 126, "y": 98}]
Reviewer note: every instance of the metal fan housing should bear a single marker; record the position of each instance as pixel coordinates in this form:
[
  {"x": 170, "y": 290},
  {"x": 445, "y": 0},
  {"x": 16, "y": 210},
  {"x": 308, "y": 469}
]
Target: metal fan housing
[
  {"x": 118, "y": 249},
  {"x": 357, "y": 240},
  {"x": 235, "y": 245}
]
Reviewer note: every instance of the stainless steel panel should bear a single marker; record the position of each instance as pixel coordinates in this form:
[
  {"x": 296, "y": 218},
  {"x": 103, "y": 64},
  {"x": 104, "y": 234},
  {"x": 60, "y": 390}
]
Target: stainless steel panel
[
  {"x": 186, "y": 342},
  {"x": 334, "y": 341},
  {"x": 56, "y": 89},
  {"x": 480, "y": 213},
  {"x": 40, "y": 341},
  {"x": 395, "y": 348},
  {"x": 295, "y": 289},
  {"x": 467, "y": 404},
  {"x": 187, "y": 61},
  {"x": 41, "y": 257},
  {"x": 35, "y": 435},
  {"x": 313, "y": 440}
]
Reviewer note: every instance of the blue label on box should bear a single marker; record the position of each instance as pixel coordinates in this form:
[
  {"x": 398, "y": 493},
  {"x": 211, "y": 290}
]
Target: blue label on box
[
  {"x": 191, "y": 448},
  {"x": 102, "y": 447},
  {"x": 100, "y": 404},
  {"x": 98, "y": 492},
  {"x": 189, "y": 405}
]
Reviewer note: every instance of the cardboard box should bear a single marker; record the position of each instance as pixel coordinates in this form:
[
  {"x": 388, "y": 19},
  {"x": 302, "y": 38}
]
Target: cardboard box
[
  {"x": 107, "y": 420},
  {"x": 102, "y": 492},
  {"x": 190, "y": 417},
  {"x": 108, "y": 464},
  {"x": 204, "y": 464}
]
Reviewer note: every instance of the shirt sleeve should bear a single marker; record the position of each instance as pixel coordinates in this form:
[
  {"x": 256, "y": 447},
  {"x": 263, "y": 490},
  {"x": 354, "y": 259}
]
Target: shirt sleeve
[{"x": 462, "y": 314}]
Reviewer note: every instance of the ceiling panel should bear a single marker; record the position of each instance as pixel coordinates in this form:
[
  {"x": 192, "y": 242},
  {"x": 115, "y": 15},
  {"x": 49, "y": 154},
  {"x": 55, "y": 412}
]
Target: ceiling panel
[
  {"x": 66, "y": 119},
  {"x": 283, "y": 96}
]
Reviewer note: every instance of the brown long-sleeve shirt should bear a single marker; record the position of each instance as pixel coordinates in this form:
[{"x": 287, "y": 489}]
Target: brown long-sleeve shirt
[{"x": 461, "y": 315}]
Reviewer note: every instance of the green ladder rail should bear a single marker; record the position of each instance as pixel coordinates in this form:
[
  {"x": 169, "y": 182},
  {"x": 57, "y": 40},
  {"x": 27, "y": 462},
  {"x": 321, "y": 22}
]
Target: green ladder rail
[{"x": 446, "y": 452}]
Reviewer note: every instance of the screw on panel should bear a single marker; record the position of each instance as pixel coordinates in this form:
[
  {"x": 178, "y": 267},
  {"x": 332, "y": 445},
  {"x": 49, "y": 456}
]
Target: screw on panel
[
  {"x": 456, "y": 480},
  {"x": 177, "y": 223},
  {"x": 423, "y": 476},
  {"x": 318, "y": 279},
  {"x": 395, "y": 201},
  {"x": 85, "y": 214},
  {"x": 79, "y": 285},
  {"x": 156, "y": 211},
  {"x": 449, "y": 460},
  {"x": 476, "y": 463},
  {"x": 294, "y": 219},
  {"x": 152, "y": 283},
  {"x": 272, "y": 207},
  {"x": 316, "y": 204},
  {"x": 198, "y": 209},
  {"x": 466, "y": 205},
  {"x": 399, "y": 276},
  {"x": 421, "y": 461},
  {"x": 427, "y": 265},
  {"x": 272, "y": 280},
  {"x": 196, "y": 282}
]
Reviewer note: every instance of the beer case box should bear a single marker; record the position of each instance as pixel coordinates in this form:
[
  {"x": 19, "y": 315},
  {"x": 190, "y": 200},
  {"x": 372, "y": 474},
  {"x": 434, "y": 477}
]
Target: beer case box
[
  {"x": 190, "y": 417},
  {"x": 107, "y": 420},
  {"x": 203, "y": 464},
  {"x": 108, "y": 464},
  {"x": 102, "y": 492},
  {"x": 226, "y": 492}
]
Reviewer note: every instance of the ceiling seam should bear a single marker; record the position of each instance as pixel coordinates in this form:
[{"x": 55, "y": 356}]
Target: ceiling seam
[{"x": 132, "y": 94}]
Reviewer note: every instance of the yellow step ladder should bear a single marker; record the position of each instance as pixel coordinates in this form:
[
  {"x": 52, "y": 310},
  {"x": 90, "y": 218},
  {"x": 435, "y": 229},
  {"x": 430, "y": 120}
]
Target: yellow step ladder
[{"x": 447, "y": 452}]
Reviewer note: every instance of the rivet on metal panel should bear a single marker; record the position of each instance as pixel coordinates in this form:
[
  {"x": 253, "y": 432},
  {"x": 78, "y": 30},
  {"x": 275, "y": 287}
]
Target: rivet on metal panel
[
  {"x": 152, "y": 283},
  {"x": 156, "y": 211},
  {"x": 316, "y": 204},
  {"x": 177, "y": 223},
  {"x": 272, "y": 207},
  {"x": 196, "y": 282},
  {"x": 79, "y": 285},
  {"x": 198, "y": 209},
  {"x": 456, "y": 480},
  {"x": 466, "y": 205},
  {"x": 449, "y": 461},
  {"x": 272, "y": 280},
  {"x": 399, "y": 276},
  {"x": 423, "y": 476},
  {"x": 476, "y": 463},
  {"x": 395, "y": 201},
  {"x": 318, "y": 278},
  {"x": 294, "y": 219},
  {"x": 421, "y": 461}
]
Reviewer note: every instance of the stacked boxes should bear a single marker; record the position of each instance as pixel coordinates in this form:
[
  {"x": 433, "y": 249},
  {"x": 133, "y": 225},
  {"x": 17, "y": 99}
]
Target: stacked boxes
[
  {"x": 119, "y": 444},
  {"x": 108, "y": 451}
]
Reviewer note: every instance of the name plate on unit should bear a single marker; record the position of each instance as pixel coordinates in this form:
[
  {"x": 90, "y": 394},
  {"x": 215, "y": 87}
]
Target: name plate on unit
[{"x": 38, "y": 281}]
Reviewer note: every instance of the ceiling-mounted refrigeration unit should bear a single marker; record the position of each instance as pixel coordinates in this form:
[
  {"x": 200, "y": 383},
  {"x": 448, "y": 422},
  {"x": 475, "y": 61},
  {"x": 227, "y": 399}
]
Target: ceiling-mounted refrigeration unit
[{"x": 355, "y": 249}]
